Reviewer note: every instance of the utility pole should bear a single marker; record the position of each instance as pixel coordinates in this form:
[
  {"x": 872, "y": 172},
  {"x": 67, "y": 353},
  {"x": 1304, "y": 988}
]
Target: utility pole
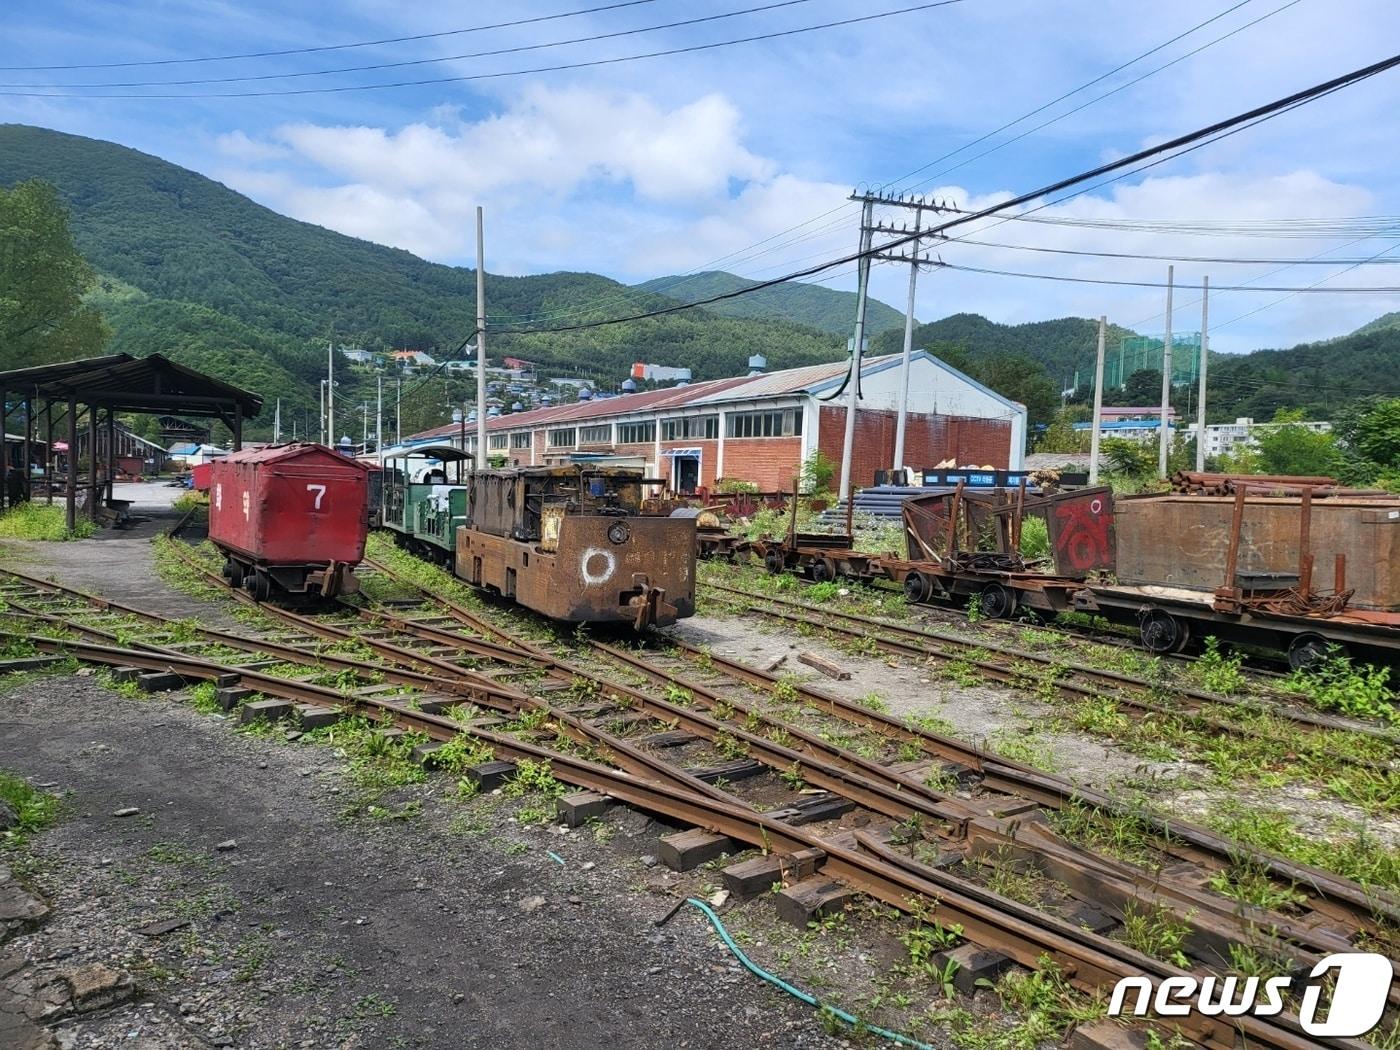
[
  {"x": 398, "y": 413},
  {"x": 902, "y": 418},
  {"x": 853, "y": 379},
  {"x": 330, "y": 392},
  {"x": 379, "y": 417},
  {"x": 277, "y": 423},
  {"x": 323, "y": 412},
  {"x": 916, "y": 262},
  {"x": 364, "y": 423},
  {"x": 1201, "y": 395},
  {"x": 480, "y": 344},
  {"x": 1164, "y": 445},
  {"x": 1098, "y": 404}
]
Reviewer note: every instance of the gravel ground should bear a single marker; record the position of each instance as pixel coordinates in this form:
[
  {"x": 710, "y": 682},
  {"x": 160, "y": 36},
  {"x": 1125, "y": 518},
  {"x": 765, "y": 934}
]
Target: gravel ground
[
  {"x": 116, "y": 563},
  {"x": 309, "y": 930},
  {"x": 977, "y": 713}
]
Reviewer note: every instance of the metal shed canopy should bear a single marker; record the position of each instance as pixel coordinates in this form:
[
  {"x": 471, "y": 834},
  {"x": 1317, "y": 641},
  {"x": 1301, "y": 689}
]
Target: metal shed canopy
[{"x": 153, "y": 384}]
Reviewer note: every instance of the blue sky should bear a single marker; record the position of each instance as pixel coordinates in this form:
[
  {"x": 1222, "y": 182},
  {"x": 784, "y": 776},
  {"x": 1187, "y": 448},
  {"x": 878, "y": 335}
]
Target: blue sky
[{"x": 670, "y": 164}]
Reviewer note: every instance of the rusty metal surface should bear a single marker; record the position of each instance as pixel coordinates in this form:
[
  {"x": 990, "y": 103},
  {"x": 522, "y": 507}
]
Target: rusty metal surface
[
  {"x": 603, "y": 569},
  {"x": 1184, "y": 542},
  {"x": 989, "y": 521}
]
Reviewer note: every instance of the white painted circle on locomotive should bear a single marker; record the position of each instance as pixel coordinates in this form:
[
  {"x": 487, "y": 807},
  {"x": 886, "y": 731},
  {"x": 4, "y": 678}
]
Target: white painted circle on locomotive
[{"x": 597, "y": 566}]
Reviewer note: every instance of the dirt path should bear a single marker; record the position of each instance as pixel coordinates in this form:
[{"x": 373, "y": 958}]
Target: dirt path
[{"x": 313, "y": 931}]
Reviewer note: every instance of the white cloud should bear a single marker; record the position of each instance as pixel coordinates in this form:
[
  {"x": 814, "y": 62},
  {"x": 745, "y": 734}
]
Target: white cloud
[{"x": 552, "y": 168}]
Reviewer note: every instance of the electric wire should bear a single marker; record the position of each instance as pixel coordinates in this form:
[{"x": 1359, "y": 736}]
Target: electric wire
[
  {"x": 927, "y": 180},
  {"x": 258, "y": 77},
  {"x": 472, "y": 77},
  {"x": 844, "y": 211},
  {"x": 328, "y": 47},
  {"x": 1139, "y": 161}
]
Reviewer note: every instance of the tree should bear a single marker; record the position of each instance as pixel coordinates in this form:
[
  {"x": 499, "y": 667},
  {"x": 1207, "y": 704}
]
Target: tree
[
  {"x": 1378, "y": 433},
  {"x": 1291, "y": 448},
  {"x": 1060, "y": 435},
  {"x": 1144, "y": 387},
  {"x": 42, "y": 281}
]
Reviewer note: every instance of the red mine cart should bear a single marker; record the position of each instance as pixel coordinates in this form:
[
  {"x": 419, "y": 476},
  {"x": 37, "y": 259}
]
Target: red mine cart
[{"x": 290, "y": 518}]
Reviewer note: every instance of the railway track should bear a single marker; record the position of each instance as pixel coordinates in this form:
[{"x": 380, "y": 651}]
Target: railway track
[
  {"x": 714, "y": 751},
  {"x": 1004, "y": 792},
  {"x": 1260, "y": 665},
  {"x": 1072, "y": 679}
]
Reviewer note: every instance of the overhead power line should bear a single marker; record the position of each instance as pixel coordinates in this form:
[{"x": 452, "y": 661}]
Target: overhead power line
[
  {"x": 425, "y": 61},
  {"x": 929, "y": 179},
  {"x": 842, "y": 211},
  {"x": 328, "y": 47},
  {"x": 1386, "y": 290},
  {"x": 1153, "y": 155},
  {"x": 587, "y": 64},
  {"x": 1211, "y": 259}
]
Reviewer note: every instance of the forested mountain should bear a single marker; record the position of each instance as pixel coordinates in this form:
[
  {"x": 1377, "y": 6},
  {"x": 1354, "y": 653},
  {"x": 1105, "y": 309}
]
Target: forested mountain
[
  {"x": 824, "y": 309},
  {"x": 190, "y": 268},
  {"x": 1317, "y": 377},
  {"x": 1060, "y": 346}
]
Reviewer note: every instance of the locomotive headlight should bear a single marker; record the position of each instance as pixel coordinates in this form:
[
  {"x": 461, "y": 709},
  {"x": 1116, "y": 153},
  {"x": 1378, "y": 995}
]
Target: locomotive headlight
[{"x": 619, "y": 532}]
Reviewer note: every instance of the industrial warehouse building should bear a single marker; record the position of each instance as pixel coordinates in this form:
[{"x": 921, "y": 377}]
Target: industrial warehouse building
[{"x": 760, "y": 428}]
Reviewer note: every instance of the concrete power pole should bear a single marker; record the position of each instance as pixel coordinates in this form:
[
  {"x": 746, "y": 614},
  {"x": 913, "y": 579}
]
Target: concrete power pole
[
  {"x": 379, "y": 417},
  {"x": 902, "y": 419},
  {"x": 330, "y": 393},
  {"x": 853, "y": 379},
  {"x": 1201, "y": 396},
  {"x": 1164, "y": 433},
  {"x": 480, "y": 343},
  {"x": 1098, "y": 405}
]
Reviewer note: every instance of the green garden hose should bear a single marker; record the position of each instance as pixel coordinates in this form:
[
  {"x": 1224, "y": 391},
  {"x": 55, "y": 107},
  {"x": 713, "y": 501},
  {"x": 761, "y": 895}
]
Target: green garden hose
[{"x": 798, "y": 993}]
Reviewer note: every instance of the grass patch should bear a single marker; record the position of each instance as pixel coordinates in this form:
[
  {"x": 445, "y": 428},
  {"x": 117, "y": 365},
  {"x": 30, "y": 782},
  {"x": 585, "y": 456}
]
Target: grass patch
[
  {"x": 34, "y": 809},
  {"x": 1348, "y": 850},
  {"x": 1336, "y": 684},
  {"x": 34, "y": 521}
]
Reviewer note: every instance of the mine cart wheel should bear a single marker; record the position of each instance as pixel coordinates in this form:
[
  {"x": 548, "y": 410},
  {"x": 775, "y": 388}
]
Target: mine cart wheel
[
  {"x": 773, "y": 562},
  {"x": 1163, "y": 633},
  {"x": 1311, "y": 650},
  {"x": 917, "y": 587},
  {"x": 998, "y": 602},
  {"x": 823, "y": 570},
  {"x": 258, "y": 586},
  {"x": 233, "y": 572}
]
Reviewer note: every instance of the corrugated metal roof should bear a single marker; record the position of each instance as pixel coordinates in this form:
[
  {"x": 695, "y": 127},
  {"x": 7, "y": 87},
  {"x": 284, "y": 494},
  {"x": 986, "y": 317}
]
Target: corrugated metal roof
[{"x": 709, "y": 392}]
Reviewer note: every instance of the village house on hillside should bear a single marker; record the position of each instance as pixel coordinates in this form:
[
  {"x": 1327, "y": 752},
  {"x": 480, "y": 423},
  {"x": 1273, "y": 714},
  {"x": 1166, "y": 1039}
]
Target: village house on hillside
[{"x": 760, "y": 428}]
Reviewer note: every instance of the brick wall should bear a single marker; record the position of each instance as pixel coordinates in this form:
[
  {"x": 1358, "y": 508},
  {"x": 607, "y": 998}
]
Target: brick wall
[
  {"x": 770, "y": 463},
  {"x": 928, "y": 439},
  {"x": 709, "y": 458}
]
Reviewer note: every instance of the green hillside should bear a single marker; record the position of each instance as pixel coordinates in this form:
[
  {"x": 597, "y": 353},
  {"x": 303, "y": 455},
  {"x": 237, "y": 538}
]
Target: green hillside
[
  {"x": 1318, "y": 377},
  {"x": 1060, "y": 346},
  {"x": 824, "y": 309},
  {"x": 202, "y": 273}
]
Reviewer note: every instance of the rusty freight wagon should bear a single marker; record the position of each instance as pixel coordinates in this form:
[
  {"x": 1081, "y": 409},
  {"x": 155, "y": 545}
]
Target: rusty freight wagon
[
  {"x": 570, "y": 542},
  {"x": 966, "y": 544},
  {"x": 1314, "y": 570},
  {"x": 289, "y": 519}
]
